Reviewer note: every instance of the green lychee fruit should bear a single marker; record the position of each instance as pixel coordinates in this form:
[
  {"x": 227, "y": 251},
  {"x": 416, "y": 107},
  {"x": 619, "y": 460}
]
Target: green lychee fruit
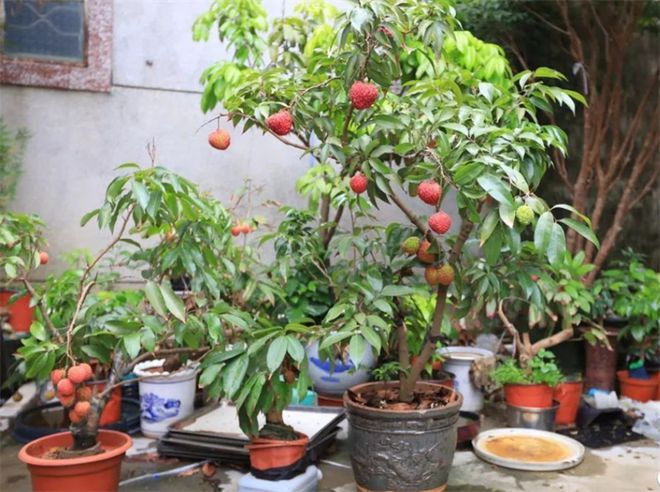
[
  {"x": 525, "y": 215},
  {"x": 411, "y": 245}
]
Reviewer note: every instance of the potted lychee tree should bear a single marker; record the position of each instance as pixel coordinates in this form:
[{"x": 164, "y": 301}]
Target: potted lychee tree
[
  {"x": 391, "y": 118},
  {"x": 164, "y": 227}
]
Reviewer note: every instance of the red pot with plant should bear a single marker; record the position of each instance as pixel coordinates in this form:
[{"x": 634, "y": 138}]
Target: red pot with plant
[
  {"x": 20, "y": 312},
  {"x": 52, "y": 471},
  {"x": 642, "y": 390},
  {"x": 569, "y": 395}
]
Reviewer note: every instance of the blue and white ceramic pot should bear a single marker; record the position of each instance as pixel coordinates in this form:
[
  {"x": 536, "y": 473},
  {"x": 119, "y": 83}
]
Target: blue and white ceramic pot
[
  {"x": 165, "y": 397},
  {"x": 329, "y": 380}
]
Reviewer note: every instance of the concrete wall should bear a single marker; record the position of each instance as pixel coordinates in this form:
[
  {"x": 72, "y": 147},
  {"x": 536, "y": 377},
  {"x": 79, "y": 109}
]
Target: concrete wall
[{"x": 78, "y": 138}]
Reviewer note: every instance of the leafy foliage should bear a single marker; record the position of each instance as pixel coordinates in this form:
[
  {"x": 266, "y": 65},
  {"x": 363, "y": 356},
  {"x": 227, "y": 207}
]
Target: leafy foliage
[
  {"x": 12, "y": 149},
  {"x": 540, "y": 370}
]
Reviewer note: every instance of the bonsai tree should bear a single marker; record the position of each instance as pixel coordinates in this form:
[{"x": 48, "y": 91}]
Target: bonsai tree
[
  {"x": 393, "y": 117},
  {"x": 163, "y": 226}
]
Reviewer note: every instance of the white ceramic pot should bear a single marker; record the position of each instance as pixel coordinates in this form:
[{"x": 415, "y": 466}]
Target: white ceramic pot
[
  {"x": 336, "y": 380},
  {"x": 458, "y": 361},
  {"x": 164, "y": 398}
]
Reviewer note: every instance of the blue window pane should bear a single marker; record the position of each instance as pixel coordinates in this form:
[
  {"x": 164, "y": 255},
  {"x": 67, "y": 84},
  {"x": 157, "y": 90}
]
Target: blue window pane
[{"x": 45, "y": 29}]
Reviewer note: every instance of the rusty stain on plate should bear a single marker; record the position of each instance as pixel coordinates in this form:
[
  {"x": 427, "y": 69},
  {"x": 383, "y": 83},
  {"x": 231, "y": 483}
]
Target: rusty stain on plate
[{"x": 528, "y": 448}]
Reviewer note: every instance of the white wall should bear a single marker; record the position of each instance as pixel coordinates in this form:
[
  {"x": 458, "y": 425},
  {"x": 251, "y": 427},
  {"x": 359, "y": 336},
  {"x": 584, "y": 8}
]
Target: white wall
[{"x": 78, "y": 138}]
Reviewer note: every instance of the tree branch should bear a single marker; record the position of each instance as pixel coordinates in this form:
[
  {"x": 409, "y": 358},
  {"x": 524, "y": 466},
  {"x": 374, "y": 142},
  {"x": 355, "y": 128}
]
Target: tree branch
[{"x": 42, "y": 310}]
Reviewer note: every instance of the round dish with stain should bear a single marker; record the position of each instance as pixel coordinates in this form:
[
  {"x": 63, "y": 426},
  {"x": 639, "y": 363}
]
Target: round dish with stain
[{"x": 527, "y": 448}]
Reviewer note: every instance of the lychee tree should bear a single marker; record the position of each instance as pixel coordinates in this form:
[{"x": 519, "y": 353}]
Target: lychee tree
[
  {"x": 396, "y": 106},
  {"x": 163, "y": 227}
]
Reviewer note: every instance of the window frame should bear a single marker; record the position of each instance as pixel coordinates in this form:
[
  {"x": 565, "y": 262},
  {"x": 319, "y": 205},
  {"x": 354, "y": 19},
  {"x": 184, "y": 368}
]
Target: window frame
[{"x": 93, "y": 74}]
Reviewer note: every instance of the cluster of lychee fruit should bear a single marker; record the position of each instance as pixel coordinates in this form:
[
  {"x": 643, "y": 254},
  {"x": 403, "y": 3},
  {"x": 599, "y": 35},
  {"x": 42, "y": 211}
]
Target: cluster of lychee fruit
[
  {"x": 434, "y": 275},
  {"x": 72, "y": 392},
  {"x": 241, "y": 228}
]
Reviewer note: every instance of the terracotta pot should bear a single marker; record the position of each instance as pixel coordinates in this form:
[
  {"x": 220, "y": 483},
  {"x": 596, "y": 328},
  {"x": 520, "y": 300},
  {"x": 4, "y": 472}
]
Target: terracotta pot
[
  {"x": 528, "y": 395},
  {"x": 641, "y": 390},
  {"x": 601, "y": 363},
  {"x": 329, "y": 400},
  {"x": 20, "y": 312},
  {"x": 568, "y": 395},
  {"x": 87, "y": 474},
  {"x": 266, "y": 454}
]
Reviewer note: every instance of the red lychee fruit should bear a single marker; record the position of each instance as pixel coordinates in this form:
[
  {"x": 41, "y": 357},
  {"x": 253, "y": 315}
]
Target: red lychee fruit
[
  {"x": 440, "y": 222},
  {"x": 65, "y": 387},
  {"x": 385, "y": 30},
  {"x": 43, "y": 257},
  {"x": 359, "y": 183},
  {"x": 445, "y": 274},
  {"x": 219, "y": 139},
  {"x": 280, "y": 122},
  {"x": 77, "y": 374},
  {"x": 84, "y": 393},
  {"x": 429, "y": 192},
  {"x": 363, "y": 94},
  {"x": 422, "y": 253},
  {"x": 57, "y": 375},
  {"x": 65, "y": 400},
  {"x": 74, "y": 417},
  {"x": 431, "y": 275},
  {"x": 245, "y": 228},
  {"x": 236, "y": 230},
  {"x": 82, "y": 408}
]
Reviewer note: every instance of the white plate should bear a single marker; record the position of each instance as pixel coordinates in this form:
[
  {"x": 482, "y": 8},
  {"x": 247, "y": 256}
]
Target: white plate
[{"x": 575, "y": 458}]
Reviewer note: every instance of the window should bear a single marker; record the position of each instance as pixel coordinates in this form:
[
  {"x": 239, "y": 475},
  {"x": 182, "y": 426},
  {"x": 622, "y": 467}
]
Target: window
[{"x": 57, "y": 43}]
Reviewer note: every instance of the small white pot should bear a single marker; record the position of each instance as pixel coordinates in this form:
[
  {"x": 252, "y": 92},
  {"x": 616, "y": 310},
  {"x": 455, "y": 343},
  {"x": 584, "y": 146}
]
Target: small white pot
[
  {"x": 334, "y": 381},
  {"x": 458, "y": 361},
  {"x": 164, "y": 398}
]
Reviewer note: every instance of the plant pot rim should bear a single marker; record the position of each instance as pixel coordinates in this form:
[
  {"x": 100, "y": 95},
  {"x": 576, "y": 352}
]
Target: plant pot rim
[
  {"x": 262, "y": 442},
  {"x": 529, "y": 384},
  {"x": 447, "y": 353},
  {"x": 451, "y": 407},
  {"x": 624, "y": 378},
  {"x": 29, "y": 459},
  {"x": 164, "y": 377}
]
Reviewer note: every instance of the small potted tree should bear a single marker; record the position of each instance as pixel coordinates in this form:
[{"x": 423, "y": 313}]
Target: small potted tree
[
  {"x": 181, "y": 231},
  {"x": 373, "y": 97}
]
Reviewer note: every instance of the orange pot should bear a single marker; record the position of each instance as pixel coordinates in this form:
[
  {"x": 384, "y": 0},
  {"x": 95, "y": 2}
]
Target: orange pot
[
  {"x": 568, "y": 395},
  {"x": 266, "y": 454},
  {"x": 528, "y": 395},
  {"x": 20, "y": 312},
  {"x": 330, "y": 400},
  {"x": 641, "y": 390},
  {"x": 99, "y": 472},
  {"x": 112, "y": 411}
]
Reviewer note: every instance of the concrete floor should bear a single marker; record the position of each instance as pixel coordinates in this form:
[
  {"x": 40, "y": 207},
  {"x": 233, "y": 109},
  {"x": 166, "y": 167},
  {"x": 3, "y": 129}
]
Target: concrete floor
[{"x": 634, "y": 467}]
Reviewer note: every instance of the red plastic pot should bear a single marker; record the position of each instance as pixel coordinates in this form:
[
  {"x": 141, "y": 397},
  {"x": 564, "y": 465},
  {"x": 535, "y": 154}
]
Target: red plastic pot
[
  {"x": 568, "y": 395},
  {"x": 528, "y": 395},
  {"x": 20, "y": 312},
  {"x": 641, "y": 390},
  {"x": 99, "y": 472},
  {"x": 330, "y": 400},
  {"x": 266, "y": 454}
]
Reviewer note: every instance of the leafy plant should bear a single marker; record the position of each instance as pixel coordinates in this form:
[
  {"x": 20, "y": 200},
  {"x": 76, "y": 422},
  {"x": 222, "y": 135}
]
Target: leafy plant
[
  {"x": 541, "y": 369},
  {"x": 440, "y": 114},
  {"x": 12, "y": 150}
]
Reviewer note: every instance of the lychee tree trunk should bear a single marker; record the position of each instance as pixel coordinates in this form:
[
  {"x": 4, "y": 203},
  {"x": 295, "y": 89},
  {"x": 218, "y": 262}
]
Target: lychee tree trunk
[
  {"x": 86, "y": 431},
  {"x": 275, "y": 428}
]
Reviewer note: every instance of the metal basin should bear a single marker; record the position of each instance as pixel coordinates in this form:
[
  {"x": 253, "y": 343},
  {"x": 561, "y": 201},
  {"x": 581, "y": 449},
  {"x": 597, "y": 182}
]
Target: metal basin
[{"x": 532, "y": 418}]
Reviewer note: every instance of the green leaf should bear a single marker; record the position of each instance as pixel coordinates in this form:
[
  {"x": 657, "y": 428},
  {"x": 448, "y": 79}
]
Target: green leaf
[
  {"x": 173, "y": 302},
  {"x": 333, "y": 339},
  {"x": 487, "y": 227},
  {"x": 582, "y": 230},
  {"x": 495, "y": 188},
  {"x": 232, "y": 377},
  {"x": 276, "y": 352},
  {"x": 38, "y": 331},
  {"x": 396, "y": 291},
  {"x": 334, "y": 312},
  {"x": 210, "y": 374},
  {"x": 255, "y": 394},
  {"x": 356, "y": 348},
  {"x": 371, "y": 336},
  {"x": 155, "y": 298},
  {"x": 507, "y": 214},
  {"x": 132, "y": 344},
  {"x": 557, "y": 244},
  {"x": 543, "y": 231},
  {"x": 571, "y": 209},
  {"x": 295, "y": 349},
  {"x": 140, "y": 194}
]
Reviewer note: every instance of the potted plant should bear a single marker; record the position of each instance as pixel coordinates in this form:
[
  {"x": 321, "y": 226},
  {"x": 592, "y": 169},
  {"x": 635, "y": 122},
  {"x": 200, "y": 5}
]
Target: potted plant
[
  {"x": 170, "y": 228},
  {"x": 628, "y": 291},
  {"x": 393, "y": 119}
]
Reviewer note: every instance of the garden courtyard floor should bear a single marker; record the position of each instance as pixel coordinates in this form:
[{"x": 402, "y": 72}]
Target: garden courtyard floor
[{"x": 633, "y": 467}]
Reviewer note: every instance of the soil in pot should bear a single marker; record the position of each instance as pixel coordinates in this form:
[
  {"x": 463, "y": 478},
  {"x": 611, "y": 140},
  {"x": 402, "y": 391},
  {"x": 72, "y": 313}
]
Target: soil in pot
[
  {"x": 528, "y": 395},
  {"x": 97, "y": 472},
  {"x": 397, "y": 446},
  {"x": 569, "y": 395},
  {"x": 641, "y": 390}
]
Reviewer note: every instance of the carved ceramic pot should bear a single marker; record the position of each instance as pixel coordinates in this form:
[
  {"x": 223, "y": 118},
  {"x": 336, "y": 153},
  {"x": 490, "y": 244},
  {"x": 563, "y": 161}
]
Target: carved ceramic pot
[{"x": 409, "y": 450}]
